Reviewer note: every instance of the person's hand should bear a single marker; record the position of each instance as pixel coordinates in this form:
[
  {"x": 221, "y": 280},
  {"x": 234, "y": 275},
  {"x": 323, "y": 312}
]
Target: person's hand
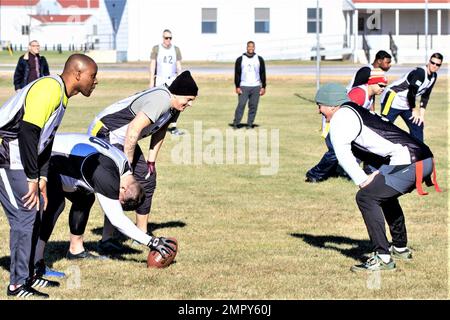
[
  {"x": 31, "y": 199},
  {"x": 238, "y": 91},
  {"x": 369, "y": 179},
  {"x": 262, "y": 91},
  {"x": 43, "y": 191},
  {"x": 162, "y": 245},
  {"x": 416, "y": 117},
  {"x": 151, "y": 168}
]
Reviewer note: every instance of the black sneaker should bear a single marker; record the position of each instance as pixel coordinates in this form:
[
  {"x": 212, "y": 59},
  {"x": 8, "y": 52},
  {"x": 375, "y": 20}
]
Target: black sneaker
[
  {"x": 39, "y": 282},
  {"x": 25, "y": 292},
  {"x": 313, "y": 180},
  {"x": 84, "y": 255}
]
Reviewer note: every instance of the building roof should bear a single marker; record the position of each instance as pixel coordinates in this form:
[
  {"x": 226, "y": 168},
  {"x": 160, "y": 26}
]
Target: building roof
[
  {"x": 61, "y": 18},
  {"x": 401, "y": 4},
  {"x": 79, "y": 3},
  {"x": 19, "y": 3}
]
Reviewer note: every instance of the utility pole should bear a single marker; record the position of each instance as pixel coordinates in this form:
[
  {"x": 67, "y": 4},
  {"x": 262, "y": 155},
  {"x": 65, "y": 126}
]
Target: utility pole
[
  {"x": 317, "y": 47},
  {"x": 426, "y": 30}
]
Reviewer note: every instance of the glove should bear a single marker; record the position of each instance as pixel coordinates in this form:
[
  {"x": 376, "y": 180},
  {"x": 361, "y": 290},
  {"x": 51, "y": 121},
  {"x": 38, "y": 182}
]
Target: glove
[
  {"x": 151, "y": 168},
  {"x": 162, "y": 245}
]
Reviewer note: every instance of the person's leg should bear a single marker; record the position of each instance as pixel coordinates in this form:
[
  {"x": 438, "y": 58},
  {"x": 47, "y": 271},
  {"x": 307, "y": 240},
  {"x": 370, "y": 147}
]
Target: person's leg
[
  {"x": 13, "y": 186},
  {"x": 396, "y": 221},
  {"x": 326, "y": 167},
  {"x": 82, "y": 203},
  {"x": 148, "y": 183},
  {"x": 253, "y": 105},
  {"x": 415, "y": 130},
  {"x": 173, "y": 126},
  {"x": 55, "y": 206},
  {"x": 242, "y": 101},
  {"x": 370, "y": 200}
]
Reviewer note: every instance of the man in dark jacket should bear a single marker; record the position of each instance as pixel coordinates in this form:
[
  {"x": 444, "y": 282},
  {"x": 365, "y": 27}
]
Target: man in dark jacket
[
  {"x": 31, "y": 66},
  {"x": 250, "y": 82}
]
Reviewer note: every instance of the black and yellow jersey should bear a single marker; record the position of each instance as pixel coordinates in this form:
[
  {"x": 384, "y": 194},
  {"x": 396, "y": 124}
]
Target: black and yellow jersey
[{"x": 28, "y": 122}]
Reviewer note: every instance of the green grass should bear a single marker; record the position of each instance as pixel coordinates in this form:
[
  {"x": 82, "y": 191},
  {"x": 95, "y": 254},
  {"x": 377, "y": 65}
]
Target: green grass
[{"x": 243, "y": 235}]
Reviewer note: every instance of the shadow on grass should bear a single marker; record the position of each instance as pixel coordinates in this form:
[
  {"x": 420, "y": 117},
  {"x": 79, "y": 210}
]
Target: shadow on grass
[
  {"x": 57, "y": 250},
  {"x": 150, "y": 227},
  {"x": 348, "y": 247}
]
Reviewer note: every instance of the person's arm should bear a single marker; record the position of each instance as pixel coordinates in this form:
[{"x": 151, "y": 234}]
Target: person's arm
[
  {"x": 344, "y": 129},
  {"x": 426, "y": 95},
  {"x": 46, "y": 70},
  {"x": 415, "y": 79},
  {"x": 18, "y": 75},
  {"x": 361, "y": 77},
  {"x": 262, "y": 75},
  {"x": 153, "y": 58},
  {"x": 179, "y": 58},
  {"x": 133, "y": 134},
  {"x": 237, "y": 75}
]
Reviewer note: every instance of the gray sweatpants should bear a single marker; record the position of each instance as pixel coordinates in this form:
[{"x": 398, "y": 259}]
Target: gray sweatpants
[
  {"x": 250, "y": 94},
  {"x": 13, "y": 186}
]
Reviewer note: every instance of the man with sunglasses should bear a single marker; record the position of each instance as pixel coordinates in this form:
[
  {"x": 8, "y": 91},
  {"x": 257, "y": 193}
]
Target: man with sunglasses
[
  {"x": 400, "y": 97},
  {"x": 165, "y": 65}
]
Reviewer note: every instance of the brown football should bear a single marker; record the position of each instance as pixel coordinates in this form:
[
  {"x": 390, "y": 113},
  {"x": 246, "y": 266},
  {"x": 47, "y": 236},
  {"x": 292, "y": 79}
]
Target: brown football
[{"x": 155, "y": 260}]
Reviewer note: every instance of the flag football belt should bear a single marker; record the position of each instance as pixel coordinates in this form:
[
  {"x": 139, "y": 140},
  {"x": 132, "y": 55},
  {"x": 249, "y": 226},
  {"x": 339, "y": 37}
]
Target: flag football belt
[
  {"x": 388, "y": 102},
  {"x": 419, "y": 178}
]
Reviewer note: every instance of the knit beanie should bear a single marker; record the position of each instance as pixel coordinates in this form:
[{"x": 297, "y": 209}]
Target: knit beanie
[{"x": 184, "y": 85}]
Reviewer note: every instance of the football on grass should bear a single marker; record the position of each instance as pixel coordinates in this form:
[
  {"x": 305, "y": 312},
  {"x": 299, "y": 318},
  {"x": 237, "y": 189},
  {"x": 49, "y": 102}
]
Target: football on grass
[{"x": 155, "y": 260}]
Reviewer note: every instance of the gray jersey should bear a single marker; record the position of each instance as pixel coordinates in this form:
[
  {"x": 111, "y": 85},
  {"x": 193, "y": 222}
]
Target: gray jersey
[{"x": 115, "y": 119}]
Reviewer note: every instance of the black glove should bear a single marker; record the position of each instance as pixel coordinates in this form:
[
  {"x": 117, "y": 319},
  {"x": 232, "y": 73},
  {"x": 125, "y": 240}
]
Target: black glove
[{"x": 163, "y": 245}]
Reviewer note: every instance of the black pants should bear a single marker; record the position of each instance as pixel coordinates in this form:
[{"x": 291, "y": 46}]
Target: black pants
[
  {"x": 327, "y": 166},
  {"x": 82, "y": 202},
  {"x": 377, "y": 202}
]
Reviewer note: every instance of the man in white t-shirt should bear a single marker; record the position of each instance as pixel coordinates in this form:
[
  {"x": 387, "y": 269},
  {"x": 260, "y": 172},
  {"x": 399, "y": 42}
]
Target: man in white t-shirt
[{"x": 165, "y": 65}]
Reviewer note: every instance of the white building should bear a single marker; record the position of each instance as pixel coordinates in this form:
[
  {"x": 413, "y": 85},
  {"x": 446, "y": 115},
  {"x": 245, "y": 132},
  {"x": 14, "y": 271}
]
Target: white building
[{"x": 219, "y": 29}]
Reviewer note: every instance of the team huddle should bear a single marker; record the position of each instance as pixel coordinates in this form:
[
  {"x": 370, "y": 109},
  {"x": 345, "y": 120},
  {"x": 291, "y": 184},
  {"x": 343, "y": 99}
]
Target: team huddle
[{"x": 40, "y": 168}]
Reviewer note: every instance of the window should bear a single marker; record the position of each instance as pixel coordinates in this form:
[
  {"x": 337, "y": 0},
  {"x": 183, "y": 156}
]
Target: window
[
  {"x": 25, "y": 30},
  {"x": 262, "y": 20},
  {"x": 311, "y": 20},
  {"x": 94, "y": 30},
  {"x": 209, "y": 20}
]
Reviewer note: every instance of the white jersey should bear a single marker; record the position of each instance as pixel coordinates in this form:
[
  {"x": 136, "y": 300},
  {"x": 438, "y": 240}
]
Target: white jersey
[
  {"x": 363, "y": 100},
  {"x": 82, "y": 146},
  {"x": 250, "y": 71},
  {"x": 400, "y": 87},
  {"x": 166, "y": 65}
]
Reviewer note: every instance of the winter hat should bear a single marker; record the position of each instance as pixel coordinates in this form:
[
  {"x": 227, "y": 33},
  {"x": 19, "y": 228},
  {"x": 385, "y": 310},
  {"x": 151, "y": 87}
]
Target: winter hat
[
  {"x": 184, "y": 85},
  {"x": 331, "y": 94},
  {"x": 377, "y": 76}
]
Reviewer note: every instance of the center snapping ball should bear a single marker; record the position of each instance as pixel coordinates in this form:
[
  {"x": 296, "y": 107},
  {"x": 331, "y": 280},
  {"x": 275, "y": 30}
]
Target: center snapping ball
[{"x": 155, "y": 260}]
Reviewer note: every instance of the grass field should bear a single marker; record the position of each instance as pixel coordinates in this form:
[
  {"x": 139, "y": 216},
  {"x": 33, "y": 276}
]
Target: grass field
[{"x": 244, "y": 235}]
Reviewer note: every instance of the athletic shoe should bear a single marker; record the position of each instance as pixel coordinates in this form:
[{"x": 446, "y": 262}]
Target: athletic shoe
[
  {"x": 39, "y": 282},
  {"x": 110, "y": 246},
  {"x": 42, "y": 270},
  {"x": 374, "y": 263},
  {"x": 176, "y": 132},
  {"x": 84, "y": 255},
  {"x": 401, "y": 255},
  {"x": 25, "y": 292},
  {"x": 313, "y": 180}
]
